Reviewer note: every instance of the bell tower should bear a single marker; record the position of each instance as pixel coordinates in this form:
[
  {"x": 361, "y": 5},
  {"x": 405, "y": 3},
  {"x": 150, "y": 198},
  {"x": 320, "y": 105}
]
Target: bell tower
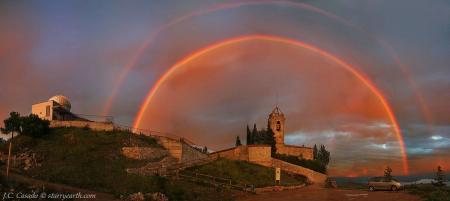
[{"x": 276, "y": 123}]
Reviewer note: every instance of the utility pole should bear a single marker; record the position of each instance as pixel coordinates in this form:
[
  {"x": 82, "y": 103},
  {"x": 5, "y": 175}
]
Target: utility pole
[{"x": 9, "y": 155}]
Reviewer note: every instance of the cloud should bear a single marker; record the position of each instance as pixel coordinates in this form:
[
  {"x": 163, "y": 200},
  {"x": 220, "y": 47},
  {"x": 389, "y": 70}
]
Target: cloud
[
  {"x": 436, "y": 137},
  {"x": 79, "y": 51}
]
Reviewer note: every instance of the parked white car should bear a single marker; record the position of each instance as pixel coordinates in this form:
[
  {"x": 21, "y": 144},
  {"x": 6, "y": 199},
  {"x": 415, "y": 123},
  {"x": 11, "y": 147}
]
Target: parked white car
[{"x": 381, "y": 183}]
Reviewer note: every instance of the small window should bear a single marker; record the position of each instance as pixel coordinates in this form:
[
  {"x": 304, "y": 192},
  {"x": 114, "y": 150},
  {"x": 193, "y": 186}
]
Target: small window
[
  {"x": 278, "y": 125},
  {"x": 47, "y": 111}
]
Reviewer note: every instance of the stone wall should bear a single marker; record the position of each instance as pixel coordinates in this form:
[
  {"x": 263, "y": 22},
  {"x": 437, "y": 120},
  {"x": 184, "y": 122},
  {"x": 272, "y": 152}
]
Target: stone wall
[
  {"x": 261, "y": 154},
  {"x": 144, "y": 153},
  {"x": 234, "y": 153},
  {"x": 277, "y": 188},
  {"x": 252, "y": 153},
  {"x": 189, "y": 153},
  {"x": 97, "y": 126},
  {"x": 313, "y": 176},
  {"x": 304, "y": 152},
  {"x": 180, "y": 150},
  {"x": 172, "y": 145}
]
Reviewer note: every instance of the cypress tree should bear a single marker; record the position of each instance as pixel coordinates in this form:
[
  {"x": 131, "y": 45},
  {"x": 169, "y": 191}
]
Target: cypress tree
[
  {"x": 270, "y": 139},
  {"x": 323, "y": 156},
  {"x": 315, "y": 152},
  {"x": 238, "y": 141},
  {"x": 249, "y": 135},
  {"x": 254, "y": 135}
]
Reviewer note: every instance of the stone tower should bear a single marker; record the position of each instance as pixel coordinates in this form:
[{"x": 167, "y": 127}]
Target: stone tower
[{"x": 276, "y": 123}]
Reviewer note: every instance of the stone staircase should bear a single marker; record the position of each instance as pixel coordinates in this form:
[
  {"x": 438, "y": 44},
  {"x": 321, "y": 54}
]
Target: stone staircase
[
  {"x": 168, "y": 166},
  {"x": 180, "y": 148}
]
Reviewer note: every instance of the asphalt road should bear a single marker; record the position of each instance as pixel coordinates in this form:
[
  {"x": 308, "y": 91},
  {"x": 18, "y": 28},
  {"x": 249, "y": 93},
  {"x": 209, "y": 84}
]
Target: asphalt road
[{"x": 314, "y": 193}]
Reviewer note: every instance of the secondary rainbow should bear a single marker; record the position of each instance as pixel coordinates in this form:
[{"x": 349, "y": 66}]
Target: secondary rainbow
[{"x": 222, "y": 6}]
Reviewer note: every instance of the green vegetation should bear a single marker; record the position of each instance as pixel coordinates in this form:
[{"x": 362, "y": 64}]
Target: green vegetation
[
  {"x": 12, "y": 124},
  {"x": 30, "y": 125},
  {"x": 430, "y": 192},
  {"x": 388, "y": 173},
  {"x": 315, "y": 165},
  {"x": 238, "y": 141},
  {"x": 93, "y": 160},
  {"x": 319, "y": 163},
  {"x": 246, "y": 173},
  {"x": 321, "y": 155},
  {"x": 264, "y": 136},
  {"x": 440, "y": 177}
]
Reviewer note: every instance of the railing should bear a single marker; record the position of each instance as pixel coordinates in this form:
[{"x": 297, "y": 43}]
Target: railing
[
  {"x": 97, "y": 118},
  {"x": 174, "y": 168},
  {"x": 148, "y": 132},
  {"x": 216, "y": 181}
]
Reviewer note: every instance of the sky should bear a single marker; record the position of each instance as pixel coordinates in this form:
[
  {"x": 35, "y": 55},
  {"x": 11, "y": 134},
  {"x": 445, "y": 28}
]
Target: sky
[{"x": 102, "y": 54}]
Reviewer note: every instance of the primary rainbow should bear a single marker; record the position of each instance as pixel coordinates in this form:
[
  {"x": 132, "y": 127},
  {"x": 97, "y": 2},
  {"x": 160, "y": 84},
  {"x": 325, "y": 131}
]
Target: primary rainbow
[
  {"x": 286, "y": 41},
  {"x": 222, "y": 6}
]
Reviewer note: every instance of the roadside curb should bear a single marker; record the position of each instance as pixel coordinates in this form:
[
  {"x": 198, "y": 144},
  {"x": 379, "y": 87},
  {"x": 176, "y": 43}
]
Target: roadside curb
[{"x": 277, "y": 188}]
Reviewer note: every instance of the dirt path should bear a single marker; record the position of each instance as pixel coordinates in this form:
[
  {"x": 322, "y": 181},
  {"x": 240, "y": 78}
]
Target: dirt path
[{"x": 314, "y": 193}]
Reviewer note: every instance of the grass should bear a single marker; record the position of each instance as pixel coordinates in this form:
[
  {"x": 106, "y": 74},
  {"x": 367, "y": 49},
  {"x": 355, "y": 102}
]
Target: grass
[
  {"x": 246, "y": 173},
  {"x": 430, "y": 192},
  {"x": 92, "y": 160},
  {"x": 310, "y": 164}
]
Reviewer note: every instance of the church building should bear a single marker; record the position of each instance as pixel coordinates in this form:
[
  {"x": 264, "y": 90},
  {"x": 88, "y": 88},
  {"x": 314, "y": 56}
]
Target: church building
[{"x": 277, "y": 124}]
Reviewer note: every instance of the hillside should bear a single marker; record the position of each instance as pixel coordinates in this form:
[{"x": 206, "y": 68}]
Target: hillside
[
  {"x": 246, "y": 173},
  {"x": 93, "y": 160}
]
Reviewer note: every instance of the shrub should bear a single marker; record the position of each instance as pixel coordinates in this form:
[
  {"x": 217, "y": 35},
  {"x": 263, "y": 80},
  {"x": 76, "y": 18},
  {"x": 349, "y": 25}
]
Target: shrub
[
  {"x": 315, "y": 165},
  {"x": 439, "y": 195},
  {"x": 30, "y": 125},
  {"x": 34, "y": 126}
]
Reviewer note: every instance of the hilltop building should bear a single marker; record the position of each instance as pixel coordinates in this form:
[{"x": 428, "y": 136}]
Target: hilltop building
[
  {"x": 277, "y": 124},
  {"x": 56, "y": 108},
  {"x": 262, "y": 153},
  {"x": 57, "y": 111}
]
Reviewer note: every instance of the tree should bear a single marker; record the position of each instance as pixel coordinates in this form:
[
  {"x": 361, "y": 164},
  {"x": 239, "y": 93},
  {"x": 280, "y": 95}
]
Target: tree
[
  {"x": 254, "y": 135},
  {"x": 34, "y": 126},
  {"x": 12, "y": 124},
  {"x": 270, "y": 139},
  {"x": 315, "y": 152},
  {"x": 323, "y": 156},
  {"x": 388, "y": 173},
  {"x": 238, "y": 141},
  {"x": 440, "y": 177},
  {"x": 249, "y": 136}
]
